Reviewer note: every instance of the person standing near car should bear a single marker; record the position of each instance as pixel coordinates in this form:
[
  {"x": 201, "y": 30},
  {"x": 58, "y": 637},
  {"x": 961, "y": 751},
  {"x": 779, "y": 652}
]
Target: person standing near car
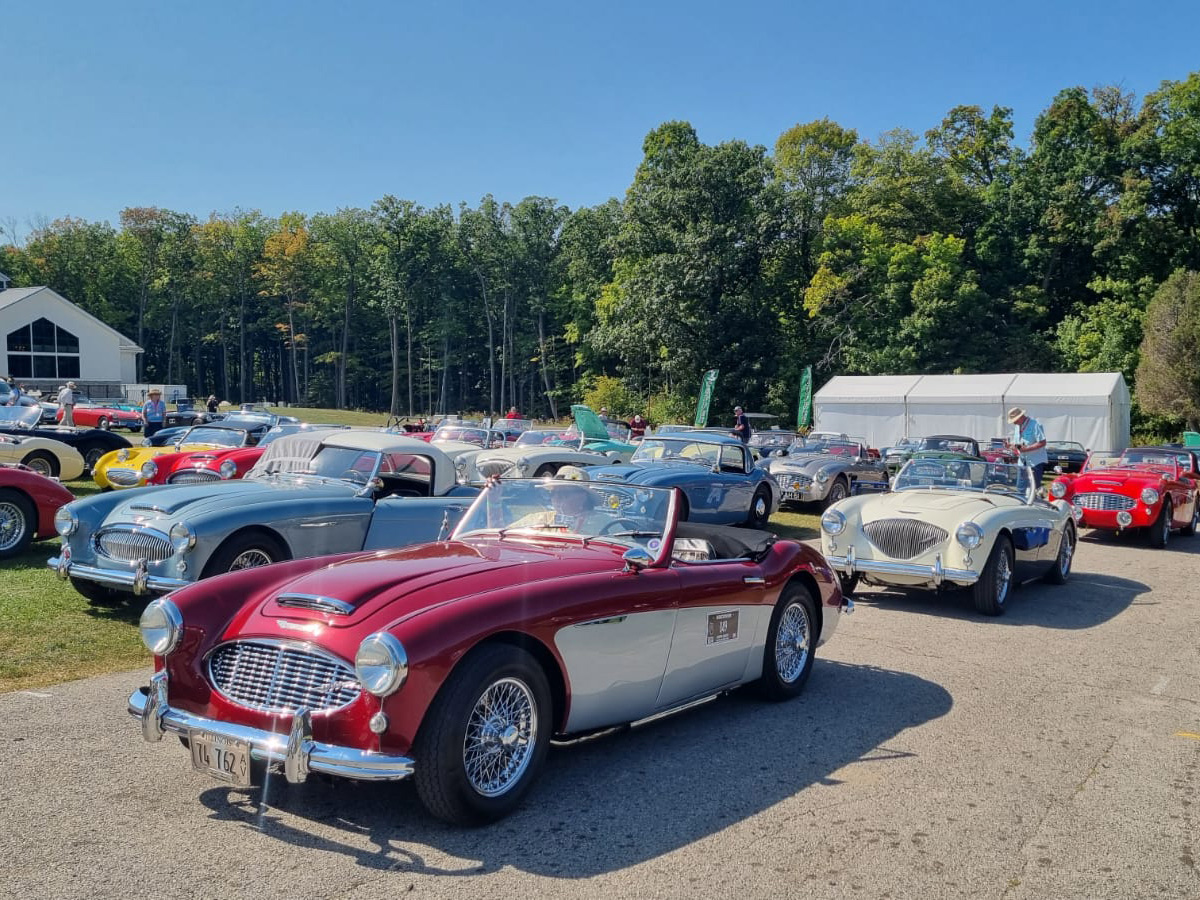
[
  {"x": 154, "y": 411},
  {"x": 214, "y": 405},
  {"x": 66, "y": 401},
  {"x": 741, "y": 425},
  {"x": 14, "y": 398},
  {"x": 1029, "y": 440},
  {"x": 637, "y": 426}
]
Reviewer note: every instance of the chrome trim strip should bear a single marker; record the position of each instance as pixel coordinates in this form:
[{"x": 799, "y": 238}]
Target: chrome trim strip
[
  {"x": 110, "y": 578},
  {"x": 298, "y": 756},
  {"x": 319, "y": 602},
  {"x": 936, "y": 573},
  {"x": 752, "y": 579}
]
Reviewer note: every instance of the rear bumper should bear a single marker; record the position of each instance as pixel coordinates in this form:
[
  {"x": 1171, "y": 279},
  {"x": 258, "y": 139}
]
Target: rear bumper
[{"x": 297, "y": 751}]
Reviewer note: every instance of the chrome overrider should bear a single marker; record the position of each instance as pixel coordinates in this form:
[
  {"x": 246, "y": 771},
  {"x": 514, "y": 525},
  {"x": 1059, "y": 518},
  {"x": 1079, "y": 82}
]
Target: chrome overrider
[
  {"x": 298, "y": 753},
  {"x": 850, "y": 565}
]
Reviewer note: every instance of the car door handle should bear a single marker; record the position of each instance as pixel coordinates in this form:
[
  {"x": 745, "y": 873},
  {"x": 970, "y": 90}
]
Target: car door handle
[{"x": 754, "y": 579}]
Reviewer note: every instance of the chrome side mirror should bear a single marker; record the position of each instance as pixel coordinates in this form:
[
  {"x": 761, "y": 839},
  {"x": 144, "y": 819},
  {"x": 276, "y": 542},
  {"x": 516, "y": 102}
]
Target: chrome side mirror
[{"x": 636, "y": 559}]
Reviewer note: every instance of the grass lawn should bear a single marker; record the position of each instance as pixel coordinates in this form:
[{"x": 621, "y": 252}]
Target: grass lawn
[{"x": 49, "y": 633}]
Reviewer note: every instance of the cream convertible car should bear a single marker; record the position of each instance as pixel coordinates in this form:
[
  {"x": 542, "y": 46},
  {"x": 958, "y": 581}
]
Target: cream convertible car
[{"x": 952, "y": 523}]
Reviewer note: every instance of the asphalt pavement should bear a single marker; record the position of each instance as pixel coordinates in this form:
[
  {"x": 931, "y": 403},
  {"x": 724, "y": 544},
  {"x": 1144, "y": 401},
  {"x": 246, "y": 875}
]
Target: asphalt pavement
[{"x": 1053, "y": 752}]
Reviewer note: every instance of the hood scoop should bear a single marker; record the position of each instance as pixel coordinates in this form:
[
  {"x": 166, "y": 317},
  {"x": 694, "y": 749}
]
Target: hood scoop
[{"x": 315, "y": 603}]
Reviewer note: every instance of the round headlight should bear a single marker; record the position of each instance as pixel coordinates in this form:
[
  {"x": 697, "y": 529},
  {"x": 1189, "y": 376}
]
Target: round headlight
[
  {"x": 161, "y": 626},
  {"x": 833, "y": 522},
  {"x": 182, "y": 537},
  {"x": 381, "y": 664},
  {"x": 66, "y": 522},
  {"x": 1149, "y": 496},
  {"x": 149, "y": 469},
  {"x": 1058, "y": 489},
  {"x": 969, "y": 535},
  {"x": 123, "y": 454},
  {"x": 227, "y": 469}
]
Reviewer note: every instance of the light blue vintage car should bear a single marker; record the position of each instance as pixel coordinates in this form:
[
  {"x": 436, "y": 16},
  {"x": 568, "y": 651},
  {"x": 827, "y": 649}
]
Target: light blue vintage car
[{"x": 310, "y": 494}]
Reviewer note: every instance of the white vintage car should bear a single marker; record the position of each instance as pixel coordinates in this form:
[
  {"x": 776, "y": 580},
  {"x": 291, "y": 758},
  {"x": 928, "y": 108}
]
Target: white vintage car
[
  {"x": 539, "y": 453},
  {"x": 952, "y": 523}
]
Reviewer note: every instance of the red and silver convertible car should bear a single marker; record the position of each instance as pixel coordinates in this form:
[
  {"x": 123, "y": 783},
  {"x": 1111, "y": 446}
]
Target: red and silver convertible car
[
  {"x": 556, "y": 609},
  {"x": 28, "y": 502},
  {"x": 1142, "y": 487}
]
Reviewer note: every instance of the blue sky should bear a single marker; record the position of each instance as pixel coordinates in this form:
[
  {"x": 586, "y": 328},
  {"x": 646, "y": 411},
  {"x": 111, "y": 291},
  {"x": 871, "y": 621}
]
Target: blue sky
[{"x": 211, "y": 106}]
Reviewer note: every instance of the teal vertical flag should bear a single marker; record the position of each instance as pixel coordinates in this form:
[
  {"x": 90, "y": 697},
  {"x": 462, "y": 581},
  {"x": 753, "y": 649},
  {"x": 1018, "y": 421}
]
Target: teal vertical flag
[
  {"x": 804, "y": 408},
  {"x": 706, "y": 392}
]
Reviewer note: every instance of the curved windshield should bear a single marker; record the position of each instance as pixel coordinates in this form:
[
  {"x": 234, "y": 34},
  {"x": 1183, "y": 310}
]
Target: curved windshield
[
  {"x": 537, "y": 438},
  {"x": 681, "y": 448},
  {"x": 772, "y": 440},
  {"x": 459, "y": 433},
  {"x": 624, "y": 514},
  {"x": 1152, "y": 456},
  {"x": 1069, "y": 446},
  {"x": 831, "y": 447},
  {"x": 345, "y": 463},
  {"x": 1103, "y": 459},
  {"x": 20, "y": 416},
  {"x": 950, "y": 445},
  {"x": 964, "y": 475},
  {"x": 218, "y": 437}
]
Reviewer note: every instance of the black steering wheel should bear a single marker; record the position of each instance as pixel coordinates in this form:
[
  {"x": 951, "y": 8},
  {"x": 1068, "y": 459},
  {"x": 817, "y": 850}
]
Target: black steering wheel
[
  {"x": 354, "y": 475},
  {"x": 626, "y": 525}
]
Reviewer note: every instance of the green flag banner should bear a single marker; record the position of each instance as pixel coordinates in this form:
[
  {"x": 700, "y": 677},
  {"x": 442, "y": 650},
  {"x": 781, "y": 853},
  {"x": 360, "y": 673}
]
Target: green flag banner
[
  {"x": 706, "y": 392},
  {"x": 804, "y": 408}
]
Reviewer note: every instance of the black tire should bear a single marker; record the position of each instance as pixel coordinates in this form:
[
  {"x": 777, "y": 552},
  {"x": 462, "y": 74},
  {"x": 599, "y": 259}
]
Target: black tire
[
  {"x": 1190, "y": 528},
  {"x": 788, "y": 657},
  {"x": 760, "y": 508},
  {"x": 91, "y": 455},
  {"x": 453, "y": 732},
  {"x": 18, "y": 522},
  {"x": 1160, "y": 531},
  {"x": 102, "y": 423},
  {"x": 1060, "y": 569},
  {"x": 848, "y": 584},
  {"x": 995, "y": 584},
  {"x": 42, "y": 461},
  {"x": 839, "y": 490},
  {"x": 98, "y": 593},
  {"x": 246, "y": 551}
]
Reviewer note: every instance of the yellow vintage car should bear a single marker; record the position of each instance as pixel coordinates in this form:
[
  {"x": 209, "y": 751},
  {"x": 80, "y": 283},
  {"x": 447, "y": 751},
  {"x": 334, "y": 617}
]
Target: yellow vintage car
[{"x": 131, "y": 466}]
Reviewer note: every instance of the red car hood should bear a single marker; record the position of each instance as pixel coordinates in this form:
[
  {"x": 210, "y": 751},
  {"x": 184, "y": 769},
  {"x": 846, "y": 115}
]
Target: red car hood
[
  {"x": 1115, "y": 479},
  {"x": 392, "y": 585}
]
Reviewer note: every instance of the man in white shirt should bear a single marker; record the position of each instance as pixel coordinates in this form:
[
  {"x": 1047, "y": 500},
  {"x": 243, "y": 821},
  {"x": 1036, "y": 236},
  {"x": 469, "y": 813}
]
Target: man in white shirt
[{"x": 66, "y": 400}]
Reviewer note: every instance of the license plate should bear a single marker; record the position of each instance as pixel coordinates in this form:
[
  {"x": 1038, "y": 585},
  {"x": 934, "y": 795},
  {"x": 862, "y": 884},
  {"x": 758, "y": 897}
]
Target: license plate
[
  {"x": 791, "y": 495},
  {"x": 221, "y": 757}
]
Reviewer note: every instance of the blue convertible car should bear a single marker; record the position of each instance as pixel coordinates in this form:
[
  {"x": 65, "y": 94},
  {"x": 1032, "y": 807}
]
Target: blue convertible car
[{"x": 720, "y": 483}]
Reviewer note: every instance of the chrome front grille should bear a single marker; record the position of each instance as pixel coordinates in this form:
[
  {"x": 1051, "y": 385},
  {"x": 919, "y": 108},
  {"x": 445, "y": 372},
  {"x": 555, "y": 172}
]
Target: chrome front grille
[
  {"x": 494, "y": 467},
  {"x": 281, "y": 676},
  {"x": 1106, "y": 502},
  {"x": 123, "y": 477},
  {"x": 132, "y": 544},
  {"x": 193, "y": 476},
  {"x": 904, "y": 538},
  {"x": 790, "y": 482}
]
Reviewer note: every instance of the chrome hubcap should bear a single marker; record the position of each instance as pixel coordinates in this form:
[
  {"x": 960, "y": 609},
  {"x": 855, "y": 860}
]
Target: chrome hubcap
[
  {"x": 500, "y": 737},
  {"x": 1068, "y": 552},
  {"x": 12, "y": 526},
  {"x": 40, "y": 466},
  {"x": 249, "y": 559},
  {"x": 760, "y": 507},
  {"x": 791, "y": 643}
]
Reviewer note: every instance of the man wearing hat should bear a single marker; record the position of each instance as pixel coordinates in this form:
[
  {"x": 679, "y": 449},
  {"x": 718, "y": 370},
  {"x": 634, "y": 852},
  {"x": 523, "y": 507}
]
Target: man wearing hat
[
  {"x": 1029, "y": 440},
  {"x": 741, "y": 425},
  {"x": 154, "y": 411},
  {"x": 66, "y": 400}
]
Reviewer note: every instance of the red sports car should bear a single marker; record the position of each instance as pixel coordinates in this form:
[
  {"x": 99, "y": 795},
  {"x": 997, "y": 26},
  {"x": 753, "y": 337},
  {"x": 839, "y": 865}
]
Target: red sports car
[
  {"x": 104, "y": 417},
  {"x": 997, "y": 450},
  {"x": 28, "y": 502},
  {"x": 556, "y": 609},
  {"x": 1142, "y": 487}
]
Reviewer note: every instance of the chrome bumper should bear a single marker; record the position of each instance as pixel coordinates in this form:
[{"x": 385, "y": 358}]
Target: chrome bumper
[
  {"x": 851, "y": 565},
  {"x": 137, "y": 579},
  {"x": 297, "y": 751}
]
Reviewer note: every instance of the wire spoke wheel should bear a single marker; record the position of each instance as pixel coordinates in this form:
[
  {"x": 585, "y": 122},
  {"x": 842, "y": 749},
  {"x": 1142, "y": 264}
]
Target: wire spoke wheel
[
  {"x": 793, "y": 641},
  {"x": 249, "y": 559},
  {"x": 499, "y": 740},
  {"x": 13, "y": 526}
]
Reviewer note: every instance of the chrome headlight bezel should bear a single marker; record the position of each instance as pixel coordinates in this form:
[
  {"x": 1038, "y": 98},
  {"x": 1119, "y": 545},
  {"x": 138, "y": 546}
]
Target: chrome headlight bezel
[
  {"x": 161, "y": 626},
  {"x": 381, "y": 664},
  {"x": 833, "y": 522},
  {"x": 149, "y": 469},
  {"x": 123, "y": 454},
  {"x": 183, "y": 538},
  {"x": 969, "y": 535},
  {"x": 821, "y": 477},
  {"x": 66, "y": 523},
  {"x": 1150, "y": 496},
  {"x": 1058, "y": 490},
  {"x": 227, "y": 469}
]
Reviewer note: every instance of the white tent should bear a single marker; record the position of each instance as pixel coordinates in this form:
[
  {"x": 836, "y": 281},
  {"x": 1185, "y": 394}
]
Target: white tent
[
  {"x": 1089, "y": 407},
  {"x": 867, "y": 406},
  {"x": 1092, "y": 408}
]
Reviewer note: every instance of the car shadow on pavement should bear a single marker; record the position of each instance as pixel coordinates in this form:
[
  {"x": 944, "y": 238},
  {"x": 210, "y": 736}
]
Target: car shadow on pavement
[
  {"x": 1088, "y": 599},
  {"x": 630, "y": 795},
  {"x": 1137, "y": 538}
]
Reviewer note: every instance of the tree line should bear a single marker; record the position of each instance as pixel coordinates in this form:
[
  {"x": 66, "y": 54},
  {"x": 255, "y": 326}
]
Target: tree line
[{"x": 955, "y": 251}]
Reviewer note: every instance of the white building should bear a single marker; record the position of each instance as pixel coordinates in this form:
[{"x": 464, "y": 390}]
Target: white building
[{"x": 49, "y": 341}]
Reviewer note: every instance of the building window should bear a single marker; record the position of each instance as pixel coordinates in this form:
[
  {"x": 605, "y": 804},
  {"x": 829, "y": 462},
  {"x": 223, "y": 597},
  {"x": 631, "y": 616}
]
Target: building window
[{"x": 43, "y": 350}]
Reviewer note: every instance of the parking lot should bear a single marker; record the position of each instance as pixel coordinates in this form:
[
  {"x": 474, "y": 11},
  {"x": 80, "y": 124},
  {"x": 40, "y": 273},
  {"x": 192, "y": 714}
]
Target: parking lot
[{"x": 1050, "y": 753}]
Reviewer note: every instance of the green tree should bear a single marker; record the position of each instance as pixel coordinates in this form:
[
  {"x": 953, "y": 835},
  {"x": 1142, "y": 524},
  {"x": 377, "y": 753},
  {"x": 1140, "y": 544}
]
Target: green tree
[{"x": 1168, "y": 380}]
